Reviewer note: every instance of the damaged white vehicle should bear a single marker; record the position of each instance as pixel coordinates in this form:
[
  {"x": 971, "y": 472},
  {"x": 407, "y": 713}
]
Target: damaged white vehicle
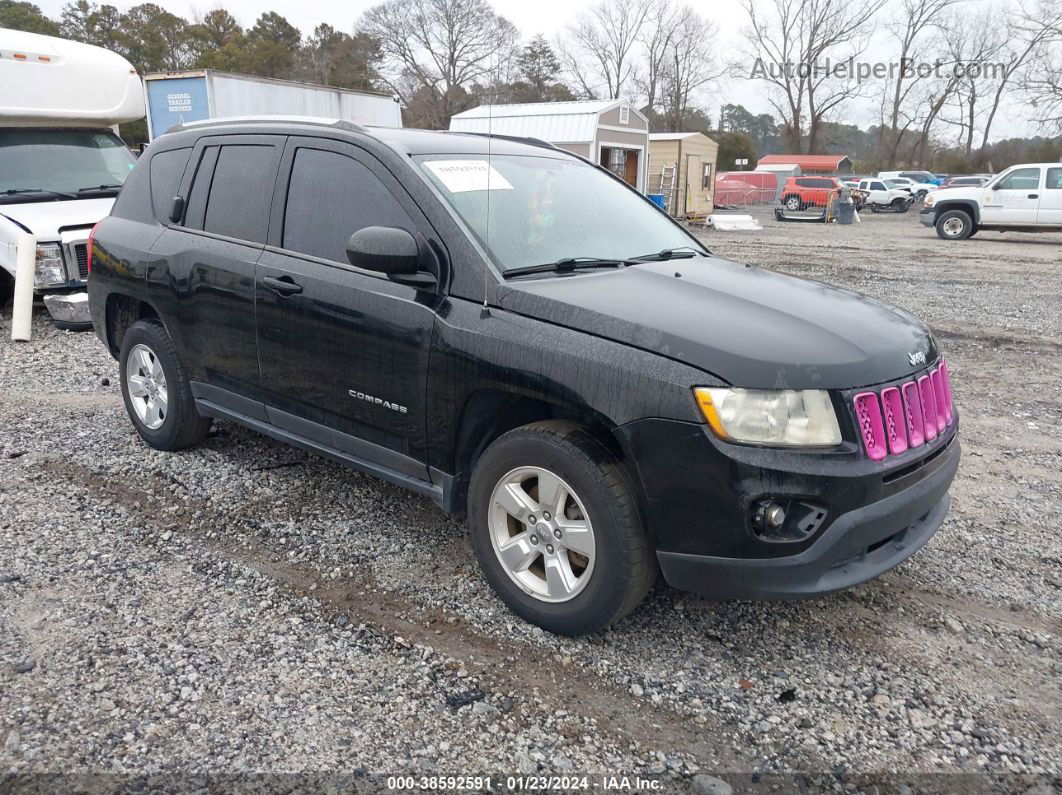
[{"x": 61, "y": 161}]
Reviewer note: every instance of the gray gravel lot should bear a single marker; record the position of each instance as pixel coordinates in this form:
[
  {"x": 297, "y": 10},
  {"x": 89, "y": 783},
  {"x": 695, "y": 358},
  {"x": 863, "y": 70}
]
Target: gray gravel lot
[{"x": 246, "y": 607}]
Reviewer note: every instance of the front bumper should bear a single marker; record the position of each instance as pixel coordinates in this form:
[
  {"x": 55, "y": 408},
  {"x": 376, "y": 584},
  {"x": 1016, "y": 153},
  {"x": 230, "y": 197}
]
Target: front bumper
[
  {"x": 928, "y": 216},
  {"x": 858, "y": 546},
  {"x": 69, "y": 310}
]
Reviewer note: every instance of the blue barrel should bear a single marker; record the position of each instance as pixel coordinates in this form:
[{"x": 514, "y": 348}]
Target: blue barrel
[{"x": 657, "y": 199}]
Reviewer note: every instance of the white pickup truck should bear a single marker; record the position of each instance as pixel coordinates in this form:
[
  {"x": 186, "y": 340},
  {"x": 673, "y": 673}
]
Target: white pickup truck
[
  {"x": 61, "y": 163},
  {"x": 1024, "y": 198}
]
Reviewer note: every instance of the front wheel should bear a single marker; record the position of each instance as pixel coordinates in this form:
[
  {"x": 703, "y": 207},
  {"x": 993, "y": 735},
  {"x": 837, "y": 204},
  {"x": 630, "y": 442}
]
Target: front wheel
[
  {"x": 156, "y": 391},
  {"x": 793, "y": 204},
  {"x": 556, "y": 529},
  {"x": 901, "y": 205},
  {"x": 954, "y": 225}
]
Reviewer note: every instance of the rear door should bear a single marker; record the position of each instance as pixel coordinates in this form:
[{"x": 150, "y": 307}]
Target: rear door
[
  {"x": 1013, "y": 199},
  {"x": 1050, "y": 210},
  {"x": 210, "y": 256},
  {"x": 343, "y": 351}
]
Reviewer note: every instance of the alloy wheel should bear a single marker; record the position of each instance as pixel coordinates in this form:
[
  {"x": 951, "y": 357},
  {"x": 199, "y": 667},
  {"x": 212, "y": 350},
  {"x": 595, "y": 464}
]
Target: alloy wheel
[
  {"x": 146, "y": 382},
  {"x": 541, "y": 533}
]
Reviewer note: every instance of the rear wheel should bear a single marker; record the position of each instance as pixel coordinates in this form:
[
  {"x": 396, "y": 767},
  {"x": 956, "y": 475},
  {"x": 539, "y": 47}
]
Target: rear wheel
[
  {"x": 954, "y": 225},
  {"x": 156, "y": 391},
  {"x": 556, "y": 529}
]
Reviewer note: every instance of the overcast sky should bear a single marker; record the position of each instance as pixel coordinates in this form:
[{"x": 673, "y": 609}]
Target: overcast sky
[{"x": 530, "y": 17}]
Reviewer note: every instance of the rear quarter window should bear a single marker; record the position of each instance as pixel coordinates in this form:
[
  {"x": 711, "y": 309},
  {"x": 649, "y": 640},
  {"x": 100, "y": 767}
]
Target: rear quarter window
[{"x": 166, "y": 168}]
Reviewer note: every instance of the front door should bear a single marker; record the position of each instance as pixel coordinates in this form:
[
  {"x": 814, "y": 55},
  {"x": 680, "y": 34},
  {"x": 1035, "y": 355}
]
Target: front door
[
  {"x": 1013, "y": 199},
  {"x": 343, "y": 351},
  {"x": 1050, "y": 210}
]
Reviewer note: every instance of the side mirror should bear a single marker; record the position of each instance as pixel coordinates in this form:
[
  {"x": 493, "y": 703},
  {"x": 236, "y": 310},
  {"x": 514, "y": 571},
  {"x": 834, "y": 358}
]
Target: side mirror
[
  {"x": 996, "y": 186},
  {"x": 389, "y": 250},
  {"x": 177, "y": 209}
]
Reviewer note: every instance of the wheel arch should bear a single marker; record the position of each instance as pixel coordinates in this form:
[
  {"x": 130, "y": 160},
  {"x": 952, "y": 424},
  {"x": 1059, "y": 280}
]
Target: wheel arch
[
  {"x": 490, "y": 412},
  {"x": 122, "y": 311},
  {"x": 968, "y": 206}
]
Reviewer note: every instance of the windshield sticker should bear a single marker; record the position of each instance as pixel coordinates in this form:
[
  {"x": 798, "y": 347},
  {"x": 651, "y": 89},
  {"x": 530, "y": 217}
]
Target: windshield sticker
[{"x": 461, "y": 176}]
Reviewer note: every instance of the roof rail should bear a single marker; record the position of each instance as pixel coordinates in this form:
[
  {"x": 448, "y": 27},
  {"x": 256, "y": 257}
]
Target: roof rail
[
  {"x": 517, "y": 138},
  {"x": 315, "y": 121}
]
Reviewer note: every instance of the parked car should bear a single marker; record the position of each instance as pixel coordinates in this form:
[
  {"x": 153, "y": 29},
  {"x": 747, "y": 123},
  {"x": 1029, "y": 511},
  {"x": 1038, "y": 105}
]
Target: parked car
[
  {"x": 922, "y": 183},
  {"x": 880, "y": 195},
  {"x": 919, "y": 190},
  {"x": 599, "y": 393},
  {"x": 799, "y": 193},
  {"x": 61, "y": 165},
  {"x": 1024, "y": 198}
]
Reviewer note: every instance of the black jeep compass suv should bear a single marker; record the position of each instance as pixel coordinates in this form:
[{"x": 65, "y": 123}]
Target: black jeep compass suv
[{"x": 511, "y": 330}]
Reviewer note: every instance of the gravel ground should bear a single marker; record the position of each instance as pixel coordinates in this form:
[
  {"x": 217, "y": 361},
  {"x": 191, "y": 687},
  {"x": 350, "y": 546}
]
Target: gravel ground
[{"x": 244, "y": 607}]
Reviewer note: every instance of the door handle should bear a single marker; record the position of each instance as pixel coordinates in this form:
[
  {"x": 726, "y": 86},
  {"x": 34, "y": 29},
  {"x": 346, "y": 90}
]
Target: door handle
[
  {"x": 283, "y": 286},
  {"x": 1033, "y": 196}
]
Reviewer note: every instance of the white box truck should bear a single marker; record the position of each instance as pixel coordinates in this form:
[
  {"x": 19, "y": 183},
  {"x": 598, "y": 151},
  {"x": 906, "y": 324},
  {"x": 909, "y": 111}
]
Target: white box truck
[
  {"x": 181, "y": 97},
  {"x": 61, "y": 161}
]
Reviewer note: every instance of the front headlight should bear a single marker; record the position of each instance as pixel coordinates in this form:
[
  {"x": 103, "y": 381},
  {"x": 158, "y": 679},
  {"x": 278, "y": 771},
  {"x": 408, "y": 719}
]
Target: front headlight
[
  {"x": 929, "y": 200},
  {"x": 781, "y": 417},
  {"x": 49, "y": 270}
]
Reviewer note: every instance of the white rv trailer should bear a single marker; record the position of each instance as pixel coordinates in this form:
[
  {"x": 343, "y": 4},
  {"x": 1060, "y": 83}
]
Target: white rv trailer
[{"x": 61, "y": 161}]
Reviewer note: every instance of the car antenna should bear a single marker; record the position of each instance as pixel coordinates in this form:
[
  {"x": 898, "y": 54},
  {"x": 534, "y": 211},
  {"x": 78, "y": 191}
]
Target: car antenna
[{"x": 486, "y": 227}]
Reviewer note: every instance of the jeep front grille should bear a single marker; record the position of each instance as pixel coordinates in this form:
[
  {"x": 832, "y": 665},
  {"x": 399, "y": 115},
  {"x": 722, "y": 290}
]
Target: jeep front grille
[{"x": 899, "y": 418}]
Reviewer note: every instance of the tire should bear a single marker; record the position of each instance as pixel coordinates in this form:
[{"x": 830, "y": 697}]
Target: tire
[
  {"x": 7, "y": 288},
  {"x": 901, "y": 205},
  {"x": 922, "y": 195},
  {"x": 147, "y": 351},
  {"x": 619, "y": 565},
  {"x": 875, "y": 208},
  {"x": 793, "y": 203},
  {"x": 954, "y": 225}
]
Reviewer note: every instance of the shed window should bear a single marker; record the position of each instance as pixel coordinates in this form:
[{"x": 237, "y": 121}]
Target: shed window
[
  {"x": 625, "y": 114},
  {"x": 706, "y": 177}
]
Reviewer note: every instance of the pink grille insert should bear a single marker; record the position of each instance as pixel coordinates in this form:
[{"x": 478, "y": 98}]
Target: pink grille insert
[
  {"x": 949, "y": 408},
  {"x": 938, "y": 392},
  {"x": 929, "y": 407},
  {"x": 912, "y": 410},
  {"x": 895, "y": 425},
  {"x": 868, "y": 414}
]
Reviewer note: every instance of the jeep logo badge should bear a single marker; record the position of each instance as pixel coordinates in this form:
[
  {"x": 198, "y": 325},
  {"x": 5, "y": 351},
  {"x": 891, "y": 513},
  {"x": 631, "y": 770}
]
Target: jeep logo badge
[{"x": 917, "y": 357}]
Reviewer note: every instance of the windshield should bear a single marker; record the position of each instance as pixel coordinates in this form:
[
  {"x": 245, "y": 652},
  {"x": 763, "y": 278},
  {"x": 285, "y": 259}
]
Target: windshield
[
  {"x": 545, "y": 209},
  {"x": 61, "y": 161}
]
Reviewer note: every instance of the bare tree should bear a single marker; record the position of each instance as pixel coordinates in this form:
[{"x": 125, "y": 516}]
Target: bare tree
[
  {"x": 688, "y": 66},
  {"x": 661, "y": 26},
  {"x": 915, "y": 19},
  {"x": 775, "y": 40},
  {"x": 1028, "y": 31},
  {"x": 598, "y": 49},
  {"x": 974, "y": 43},
  {"x": 1043, "y": 83},
  {"x": 804, "y": 50},
  {"x": 435, "y": 50}
]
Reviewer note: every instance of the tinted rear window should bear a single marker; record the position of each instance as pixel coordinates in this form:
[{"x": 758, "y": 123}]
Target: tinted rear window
[
  {"x": 332, "y": 196},
  {"x": 241, "y": 192},
  {"x": 167, "y": 168}
]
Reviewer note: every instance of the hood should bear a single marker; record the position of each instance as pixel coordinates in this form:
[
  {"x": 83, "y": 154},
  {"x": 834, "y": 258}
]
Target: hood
[
  {"x": 47, "y": 219},
  {"x": 750, "y": 327}
]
